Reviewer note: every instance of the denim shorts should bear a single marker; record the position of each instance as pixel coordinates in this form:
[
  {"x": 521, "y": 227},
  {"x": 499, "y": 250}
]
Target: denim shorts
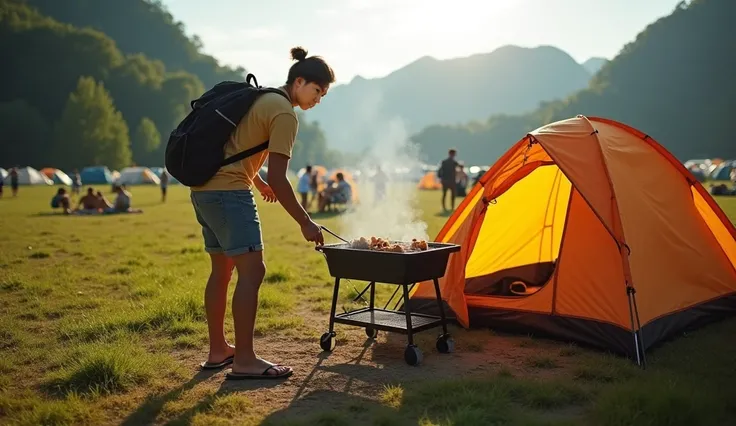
[{"x": 229, "y": 220}]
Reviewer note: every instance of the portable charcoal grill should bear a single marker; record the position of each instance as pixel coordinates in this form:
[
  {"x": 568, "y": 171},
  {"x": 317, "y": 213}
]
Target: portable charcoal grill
[{"x": 402, "y": 269}]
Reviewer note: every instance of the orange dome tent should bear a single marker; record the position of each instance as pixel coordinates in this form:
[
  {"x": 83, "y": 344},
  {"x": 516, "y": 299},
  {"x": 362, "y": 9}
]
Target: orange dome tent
[
  {"x": 429, "y": 181},
  {"x": 615, "y": 243}
]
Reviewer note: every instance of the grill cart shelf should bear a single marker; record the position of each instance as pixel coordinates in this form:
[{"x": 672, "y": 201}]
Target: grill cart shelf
[{"x": 399, "y": 269}]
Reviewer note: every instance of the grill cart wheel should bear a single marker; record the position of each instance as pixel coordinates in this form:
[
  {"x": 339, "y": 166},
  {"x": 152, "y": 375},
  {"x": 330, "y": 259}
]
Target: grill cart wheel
[
  {"x": 413, "y": 355},
  {"x": 372, "y": 333},
  {"x": 328, "y": 342},
  {"x": 445, "y": 344}
]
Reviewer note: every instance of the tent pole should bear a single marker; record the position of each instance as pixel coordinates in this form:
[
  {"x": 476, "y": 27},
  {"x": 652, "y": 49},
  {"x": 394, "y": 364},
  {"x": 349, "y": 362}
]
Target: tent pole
[
  {"x": 638, "y": 325},
  {"x": 629, "y": 291}
]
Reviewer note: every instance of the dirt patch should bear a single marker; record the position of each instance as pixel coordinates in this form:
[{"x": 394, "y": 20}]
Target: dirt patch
[{"x": 359, "y": 368}]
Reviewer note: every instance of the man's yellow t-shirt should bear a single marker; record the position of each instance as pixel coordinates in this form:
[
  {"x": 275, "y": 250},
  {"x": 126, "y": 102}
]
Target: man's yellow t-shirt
[{"x": 271, "y": 118}]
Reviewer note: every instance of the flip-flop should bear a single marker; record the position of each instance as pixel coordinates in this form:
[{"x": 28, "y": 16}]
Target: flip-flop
[
  {"x": 243, "y": 376},
  {"x": 214, "y": 366}
]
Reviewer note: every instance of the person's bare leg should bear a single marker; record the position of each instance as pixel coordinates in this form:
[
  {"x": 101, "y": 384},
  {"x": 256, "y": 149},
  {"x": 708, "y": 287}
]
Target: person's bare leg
[
  {"x": 215, "y": 303},
  {"x": 251, "y": 270}
]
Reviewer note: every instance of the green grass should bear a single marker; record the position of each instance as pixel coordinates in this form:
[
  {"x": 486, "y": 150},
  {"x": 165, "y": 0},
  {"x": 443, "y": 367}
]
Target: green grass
[{"x": 103, "y": 322}]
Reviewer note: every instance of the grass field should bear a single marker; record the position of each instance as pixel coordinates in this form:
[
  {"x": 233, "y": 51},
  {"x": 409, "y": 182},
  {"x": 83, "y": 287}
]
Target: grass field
[{"x": 103, "y": 323}]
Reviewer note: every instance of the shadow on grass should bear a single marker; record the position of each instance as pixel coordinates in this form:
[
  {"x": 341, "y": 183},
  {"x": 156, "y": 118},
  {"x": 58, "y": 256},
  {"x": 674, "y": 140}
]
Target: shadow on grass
[
  {"x": 212, "y": 404},
  {"x": 225, "y": 402},
  {"x": 147, "y": 413}
]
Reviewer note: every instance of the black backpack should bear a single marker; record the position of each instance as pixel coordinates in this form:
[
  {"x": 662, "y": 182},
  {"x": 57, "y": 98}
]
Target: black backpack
[{"x": 196, "y": 148}]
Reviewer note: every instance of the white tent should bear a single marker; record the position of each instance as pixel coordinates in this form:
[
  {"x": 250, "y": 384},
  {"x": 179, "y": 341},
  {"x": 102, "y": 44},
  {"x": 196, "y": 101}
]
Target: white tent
[
  {"x": 138, "y": 176},
  {"x": 3, "y": 173},
  {"x": 30, "y": 176}
]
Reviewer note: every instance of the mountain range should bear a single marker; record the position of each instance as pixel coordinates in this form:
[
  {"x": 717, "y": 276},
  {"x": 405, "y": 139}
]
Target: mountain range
[{"x": 428, "y": 91}]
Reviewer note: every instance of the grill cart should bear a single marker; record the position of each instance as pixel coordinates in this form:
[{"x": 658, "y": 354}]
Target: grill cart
[{"x": 403, "y": 269}]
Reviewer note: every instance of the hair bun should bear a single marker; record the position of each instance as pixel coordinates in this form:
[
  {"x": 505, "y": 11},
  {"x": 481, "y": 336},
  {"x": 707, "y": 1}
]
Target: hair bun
[{"x": 298, "y": 53}]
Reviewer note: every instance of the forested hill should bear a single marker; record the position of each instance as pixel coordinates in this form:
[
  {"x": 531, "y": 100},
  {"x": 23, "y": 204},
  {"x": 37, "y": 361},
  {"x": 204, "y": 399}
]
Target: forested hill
[
  {"x": 142, "y": 26},
  {"x": 675, "y": 82},
  {"x": 69, "y": 97},
  {"x": 593, "y": 65}
]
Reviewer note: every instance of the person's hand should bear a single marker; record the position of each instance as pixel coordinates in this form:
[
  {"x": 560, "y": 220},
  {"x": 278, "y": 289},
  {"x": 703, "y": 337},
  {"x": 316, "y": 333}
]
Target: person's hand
[
  {"x": 313, "y": 233},
  {"x": 267, "y": 193}
]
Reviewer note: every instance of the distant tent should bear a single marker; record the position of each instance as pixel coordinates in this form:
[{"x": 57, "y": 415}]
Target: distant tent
[
  {"x": 429, "y": 181},
  {"x": 723, "y": 171},
  {"x": 699, "y": 173},
  {"x": 57, "y": 176},
  {"x": 138, "y": 176},
  {"x": 3, "y": 173},
  {"x": 588, "y": 230},
  {"x": 96, "y": 175},
  {"x": 30, "y": 176}
]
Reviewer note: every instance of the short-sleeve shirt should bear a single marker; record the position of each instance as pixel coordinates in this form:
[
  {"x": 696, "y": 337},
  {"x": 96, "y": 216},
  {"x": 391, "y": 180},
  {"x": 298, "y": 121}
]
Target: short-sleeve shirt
[{"x": 271, "y": 118}]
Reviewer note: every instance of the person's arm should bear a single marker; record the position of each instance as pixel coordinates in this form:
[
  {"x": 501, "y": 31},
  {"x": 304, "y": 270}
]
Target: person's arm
[
  {"x": 258, "y": 182},
  {"x": 282, "y": 135},
  {"x": 279, "y": 183},
  {"x": 265, "y": 190}
]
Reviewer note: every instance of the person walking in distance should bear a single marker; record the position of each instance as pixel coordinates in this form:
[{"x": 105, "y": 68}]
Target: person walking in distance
[
  {"x": 226, "y": 210},
  {"x": 447, "y": 174},
  {"x": 164, "y": 185}
]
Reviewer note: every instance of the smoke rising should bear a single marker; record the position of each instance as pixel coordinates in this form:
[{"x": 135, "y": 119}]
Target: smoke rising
[{"x": 393, "y": 214}]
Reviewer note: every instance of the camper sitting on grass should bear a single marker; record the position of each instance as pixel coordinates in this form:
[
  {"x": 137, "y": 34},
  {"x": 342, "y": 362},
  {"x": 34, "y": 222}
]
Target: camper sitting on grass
[
  {"x": 61, "y": 200},
  {"x": 338, "y": 193},
  {"x": 122, "y": 202},
  {"x": 89, "y": 203}
]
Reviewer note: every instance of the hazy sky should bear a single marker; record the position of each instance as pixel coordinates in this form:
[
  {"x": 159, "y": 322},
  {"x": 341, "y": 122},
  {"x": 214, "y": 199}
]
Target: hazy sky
[{"x": 371, "y": 38}]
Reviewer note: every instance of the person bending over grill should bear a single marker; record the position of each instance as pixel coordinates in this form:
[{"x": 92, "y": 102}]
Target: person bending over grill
[{"x": 231, "y": 228}]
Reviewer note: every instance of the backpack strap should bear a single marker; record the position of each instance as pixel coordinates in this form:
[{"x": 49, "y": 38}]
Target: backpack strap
[
  {"x": 247, "y": 153},
  {"x": 258, "y": 148}
]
